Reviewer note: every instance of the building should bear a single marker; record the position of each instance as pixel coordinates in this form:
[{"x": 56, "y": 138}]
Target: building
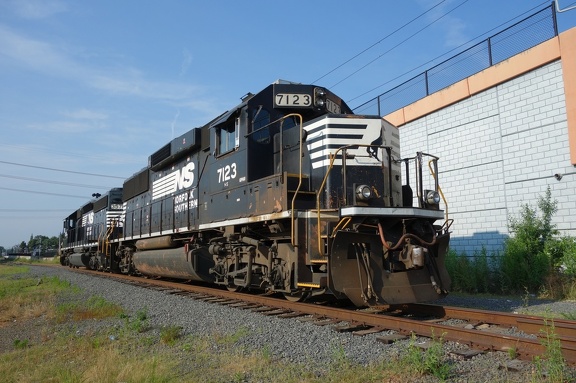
[{"x": 503, "y": 135}]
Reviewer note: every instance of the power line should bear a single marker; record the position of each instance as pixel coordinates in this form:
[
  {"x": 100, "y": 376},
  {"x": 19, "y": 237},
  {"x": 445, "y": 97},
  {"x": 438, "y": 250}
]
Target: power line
[
  {"x": 33, "y": 211},
  {"x": 446, "y": 53},
  {"x": 378, "y": 42},
  {"x": 63, "y": 171},
  {"x": 400, "y": 43},
  {"x": 44, "y": 193},
  {"x": 61, "y": 153},
  {"x": 56, "y": 182}
]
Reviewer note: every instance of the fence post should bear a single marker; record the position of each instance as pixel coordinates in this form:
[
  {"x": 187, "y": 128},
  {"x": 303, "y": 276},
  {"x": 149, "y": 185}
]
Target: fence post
[{"x": 489, "y": 51}]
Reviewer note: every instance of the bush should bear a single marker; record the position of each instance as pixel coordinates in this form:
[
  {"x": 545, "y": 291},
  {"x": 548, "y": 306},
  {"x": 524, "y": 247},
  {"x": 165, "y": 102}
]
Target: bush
[
  {"x": 534, "y": 259},
  {"x": 562, "y": 254},
  {"x": 471, "y": 274},
  {"x": 525, "y": 264}
]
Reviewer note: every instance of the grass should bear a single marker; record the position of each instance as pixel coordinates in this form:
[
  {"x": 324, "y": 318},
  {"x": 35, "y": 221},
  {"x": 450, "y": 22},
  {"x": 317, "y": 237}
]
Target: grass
[
  {"x": 430, "y": 361},
  {"x": 23, "y": 297},
  {"x": 95, "y": 307},
  {"x": 170, "y": 334},
  {"x": 126, "y": 351},
  {"x": 139, "y": 323}
]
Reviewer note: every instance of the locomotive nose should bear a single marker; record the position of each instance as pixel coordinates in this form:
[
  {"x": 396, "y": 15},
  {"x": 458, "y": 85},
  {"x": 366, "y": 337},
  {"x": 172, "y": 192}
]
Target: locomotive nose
[{"x": 360, "y": 269}]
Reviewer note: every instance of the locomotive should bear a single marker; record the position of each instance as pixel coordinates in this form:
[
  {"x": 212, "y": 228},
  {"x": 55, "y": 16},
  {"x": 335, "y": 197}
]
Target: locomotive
[{"x": 289, "y": 192}]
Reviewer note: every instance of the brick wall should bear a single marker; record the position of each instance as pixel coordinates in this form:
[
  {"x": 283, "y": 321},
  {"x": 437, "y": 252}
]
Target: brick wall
[{"x": 499, "y": 149}]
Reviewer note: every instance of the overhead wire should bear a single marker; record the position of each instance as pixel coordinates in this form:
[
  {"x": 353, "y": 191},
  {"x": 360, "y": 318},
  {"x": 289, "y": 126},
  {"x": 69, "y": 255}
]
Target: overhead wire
[
  {"x": 400, "y": 43},
  {"x": 56, "y": 182},
  {"x": 99, "y": 187},
  {"x": 378, "y": 42},
  {"x": 446, "y": 53},
  {"x": 32, "y": 210},
  {"x": 62, "y": 170},
  {"x": 43, "y": 193}
]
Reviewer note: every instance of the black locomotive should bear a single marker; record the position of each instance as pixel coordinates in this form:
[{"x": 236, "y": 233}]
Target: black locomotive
[{"x": 288, "y": 192}]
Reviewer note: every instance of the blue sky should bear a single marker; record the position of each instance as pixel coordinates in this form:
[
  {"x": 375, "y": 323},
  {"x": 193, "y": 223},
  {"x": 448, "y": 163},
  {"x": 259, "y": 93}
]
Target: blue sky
[{"x": 92, "y": 88}]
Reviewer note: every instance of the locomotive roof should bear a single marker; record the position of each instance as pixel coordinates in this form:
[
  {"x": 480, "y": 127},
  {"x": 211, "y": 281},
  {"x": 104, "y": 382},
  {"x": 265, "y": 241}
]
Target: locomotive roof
[{"x": 269, "y": 90}]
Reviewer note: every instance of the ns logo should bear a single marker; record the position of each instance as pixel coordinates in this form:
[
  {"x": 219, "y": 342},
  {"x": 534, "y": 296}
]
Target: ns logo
[
  {"x": 173, "y": 182},
  {"x": 185, "y": 178}
]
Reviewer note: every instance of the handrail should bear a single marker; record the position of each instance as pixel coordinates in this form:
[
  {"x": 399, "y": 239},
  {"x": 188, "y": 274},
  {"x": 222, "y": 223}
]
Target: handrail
[
  {"x": 418, "y": 159},
  {"x": 292, "y": 241},
  {"x": 101, "y": 235},
  {"x": 558, "y": 9},
  {"x": 330, "y": 166},
  {"x": 342, "y": 224},
  {"x": 439, "y": 188},
  {"x": 108, "y": 234},
  {"x": 301, "y": 132}
]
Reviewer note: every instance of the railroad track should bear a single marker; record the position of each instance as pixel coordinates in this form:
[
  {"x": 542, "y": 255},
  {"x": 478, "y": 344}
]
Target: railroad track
[{"x": 481, "y": 330}]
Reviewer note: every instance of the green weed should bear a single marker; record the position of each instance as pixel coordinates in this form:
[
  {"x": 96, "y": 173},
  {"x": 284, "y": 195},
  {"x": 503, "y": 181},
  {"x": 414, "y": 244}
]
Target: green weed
[
  {"x": 170, "y": 334},
  {"x": 552, "y": 364},
  {"x": 140, "y": 323},
  {"x": 431, "y": 361}
]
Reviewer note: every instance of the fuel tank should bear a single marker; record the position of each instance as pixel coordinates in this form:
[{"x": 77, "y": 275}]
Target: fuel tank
[
  {"x": 79, "y": 260},
  {"x": 180, "y": 263}
]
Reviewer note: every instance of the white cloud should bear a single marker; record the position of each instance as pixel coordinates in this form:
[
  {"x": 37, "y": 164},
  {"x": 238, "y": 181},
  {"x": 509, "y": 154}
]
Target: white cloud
[
  {"x": 453, "y": 28},
  {"x": 36, "y": 9},
  {"x": 45, "y": 58},
  {"x": 63, "y": 127},
  {"x": 35, "y": 55},
  {"x": 85, "y": 114},
  {"x": 186, "y": 61},
  {"x": 455, "y": 32}
]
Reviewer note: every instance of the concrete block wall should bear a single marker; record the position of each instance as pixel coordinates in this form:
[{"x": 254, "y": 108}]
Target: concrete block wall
[{"x": 500, "y": 149}]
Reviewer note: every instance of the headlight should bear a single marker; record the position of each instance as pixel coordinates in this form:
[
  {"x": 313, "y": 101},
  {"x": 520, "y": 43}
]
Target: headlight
[
  {"x": 432, "y": 197},
  {"x": 363, "y": 192}
]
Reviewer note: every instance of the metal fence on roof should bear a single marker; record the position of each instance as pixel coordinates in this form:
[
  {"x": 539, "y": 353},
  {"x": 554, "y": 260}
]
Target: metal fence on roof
[{"x": 523, "y": 35}]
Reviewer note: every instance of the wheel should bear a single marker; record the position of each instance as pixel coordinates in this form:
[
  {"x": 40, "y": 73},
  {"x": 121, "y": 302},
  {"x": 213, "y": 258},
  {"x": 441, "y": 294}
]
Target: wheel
[
  {"x": 297, "y": 296},
  {"x": 234, "y": 288}
]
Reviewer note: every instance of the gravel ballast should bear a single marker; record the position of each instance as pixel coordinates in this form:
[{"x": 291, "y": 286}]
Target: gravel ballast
[{"x": 287, "y": 339}]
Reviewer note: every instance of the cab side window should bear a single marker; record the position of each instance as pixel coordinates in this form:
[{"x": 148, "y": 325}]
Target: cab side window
[
  {"x": 260, "y": 126},
  {"x": 227, "y": 136}
]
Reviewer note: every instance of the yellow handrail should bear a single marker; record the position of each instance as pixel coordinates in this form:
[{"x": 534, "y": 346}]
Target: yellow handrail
[
  {"x": 292, "y": 241},
  {"x": 439, "y": 189},
  {"x": 318, "y": 194}
]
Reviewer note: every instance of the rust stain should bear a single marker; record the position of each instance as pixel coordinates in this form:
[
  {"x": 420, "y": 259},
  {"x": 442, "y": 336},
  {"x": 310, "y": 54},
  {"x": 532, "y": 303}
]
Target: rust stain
[{"x": 277, "y": 207}]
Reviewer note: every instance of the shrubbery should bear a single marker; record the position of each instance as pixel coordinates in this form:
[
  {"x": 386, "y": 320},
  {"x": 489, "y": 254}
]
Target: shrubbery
[{"x": 534, "y": 259}]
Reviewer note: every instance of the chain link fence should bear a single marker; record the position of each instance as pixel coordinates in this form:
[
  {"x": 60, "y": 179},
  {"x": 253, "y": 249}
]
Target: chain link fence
[{"x": 523, "y": 35}]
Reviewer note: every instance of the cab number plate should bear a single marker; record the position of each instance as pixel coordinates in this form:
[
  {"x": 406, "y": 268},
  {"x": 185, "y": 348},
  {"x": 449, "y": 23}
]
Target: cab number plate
[{"x": 292, "y": 99}]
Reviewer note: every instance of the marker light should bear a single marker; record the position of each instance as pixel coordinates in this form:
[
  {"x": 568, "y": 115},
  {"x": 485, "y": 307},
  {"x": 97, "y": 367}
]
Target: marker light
[{"x": 319, "y": 97}]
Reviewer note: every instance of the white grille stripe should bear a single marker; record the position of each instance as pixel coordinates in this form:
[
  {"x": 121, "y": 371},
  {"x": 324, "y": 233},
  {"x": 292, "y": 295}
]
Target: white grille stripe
[
  {"x": 370, "y": 133},
  {"x": 114, "y": 217},
  {"x": 165, "y": 185}
]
